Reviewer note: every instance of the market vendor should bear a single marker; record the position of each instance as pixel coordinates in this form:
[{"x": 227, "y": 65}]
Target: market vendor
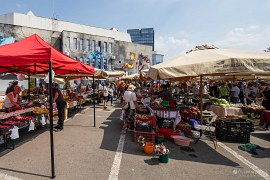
[
  {"x": 41, "y": 89},
  {"x": 251, "y": 93},
  {"x": 12, "y": 99},
  {"x": 165, "y": 95}
]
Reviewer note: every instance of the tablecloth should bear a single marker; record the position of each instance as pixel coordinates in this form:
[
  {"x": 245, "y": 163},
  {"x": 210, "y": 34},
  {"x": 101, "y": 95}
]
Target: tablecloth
[
  {"x": 223, "y": 112},
  {"x": 166, "y": 114}
]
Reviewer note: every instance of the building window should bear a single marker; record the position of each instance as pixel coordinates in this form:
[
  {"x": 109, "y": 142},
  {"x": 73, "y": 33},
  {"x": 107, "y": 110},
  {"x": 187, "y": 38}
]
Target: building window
[
  {"x": 75, "y": 45},
  {"x": 99, "y": 64},
  {"x": 110, "y": 48},
  {"x": 88, "y": 61},
  {"x": 81, "y": 59},
  {"x": 93, "y": 45},
  {"x": 99, "y": 46},
  {"x": 81, "y": 44},
  {"x": 93, "y": 62},
  {"x": 105, "y": 64},
  {"x": 68, "y": 42},
  {"x": 88, "y": 44},
  {"x": 105, "y": 47}
]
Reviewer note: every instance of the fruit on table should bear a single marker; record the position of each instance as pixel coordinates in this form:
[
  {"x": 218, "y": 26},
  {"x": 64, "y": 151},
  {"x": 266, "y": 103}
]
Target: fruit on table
[{"x": 39, "y": 110}]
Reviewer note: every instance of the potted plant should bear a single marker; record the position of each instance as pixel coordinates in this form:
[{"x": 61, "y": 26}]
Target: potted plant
[
  {"x": 148, "y": 147},
  {"x": 162, "y": 152}
]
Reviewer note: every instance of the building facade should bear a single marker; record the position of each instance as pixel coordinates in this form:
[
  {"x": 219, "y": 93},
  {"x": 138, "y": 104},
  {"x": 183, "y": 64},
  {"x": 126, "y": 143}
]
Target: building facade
[
  {"x": 157, "y": 57},
  {"x": 106, "y": 49},
  {"x": 143, "y": 36}
]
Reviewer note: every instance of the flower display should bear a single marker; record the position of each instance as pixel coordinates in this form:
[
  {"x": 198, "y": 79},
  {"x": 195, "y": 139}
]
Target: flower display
[
  {"x": 141, "y": 140},
  {"x": 160, "y": 149}
]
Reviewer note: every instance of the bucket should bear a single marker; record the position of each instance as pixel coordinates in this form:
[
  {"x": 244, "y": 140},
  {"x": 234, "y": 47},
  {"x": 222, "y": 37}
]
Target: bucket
[
  {"x": 148, "y": 148},
  {"x": 159, "y": 138},
  {"x": 164, "y": 158}
]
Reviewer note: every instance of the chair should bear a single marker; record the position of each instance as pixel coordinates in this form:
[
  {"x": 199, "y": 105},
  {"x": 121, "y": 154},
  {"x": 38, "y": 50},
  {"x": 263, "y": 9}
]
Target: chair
[{"x": 209, "y": 130}]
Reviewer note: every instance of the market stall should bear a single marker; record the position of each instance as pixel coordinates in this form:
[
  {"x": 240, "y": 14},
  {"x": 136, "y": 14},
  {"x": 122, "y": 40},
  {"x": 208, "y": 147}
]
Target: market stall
[{"x": 34, "y": 56}]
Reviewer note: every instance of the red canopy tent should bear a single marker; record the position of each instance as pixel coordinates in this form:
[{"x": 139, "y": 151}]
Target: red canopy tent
[{"x": 33, "y": 55}]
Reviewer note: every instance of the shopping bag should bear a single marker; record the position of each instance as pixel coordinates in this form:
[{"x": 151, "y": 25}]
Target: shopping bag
[
  {"x": 43, "y": 120},
  {"x": 31, "y": 126}
]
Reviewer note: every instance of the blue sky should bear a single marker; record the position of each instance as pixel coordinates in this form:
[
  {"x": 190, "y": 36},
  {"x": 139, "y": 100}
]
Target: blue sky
[{"x": 179, "y": 24}]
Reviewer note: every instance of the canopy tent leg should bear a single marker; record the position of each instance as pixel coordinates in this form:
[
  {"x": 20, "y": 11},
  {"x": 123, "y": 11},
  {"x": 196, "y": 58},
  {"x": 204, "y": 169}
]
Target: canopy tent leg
[
  {"x": 94, "y": 100},
  {"x": 51, "y": 120},
  {"x": 201, "y": 102},
  {"x": 29, "y": 97}
]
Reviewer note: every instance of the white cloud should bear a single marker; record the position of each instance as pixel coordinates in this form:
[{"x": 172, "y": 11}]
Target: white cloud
[
  {"x": 250, "y": 38},
  {"x": 247, "y": 38},
  {"x": 171, "y": 46},
  {"x": 18, "y": 5}
]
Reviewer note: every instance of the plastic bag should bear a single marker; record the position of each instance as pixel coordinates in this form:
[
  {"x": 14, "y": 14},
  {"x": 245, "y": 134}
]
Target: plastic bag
[
  {"x": 122, "y": 117},
  {"x": 31, "y": 126},
  {"x": 14, "y": 133},
  {"x": 43, "y": 120}
]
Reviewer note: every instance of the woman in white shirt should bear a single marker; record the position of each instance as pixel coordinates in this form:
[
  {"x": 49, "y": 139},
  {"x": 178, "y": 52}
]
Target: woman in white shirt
[
  {"x": 130, "y": 105},
  {"x": 13, "y": 99}
]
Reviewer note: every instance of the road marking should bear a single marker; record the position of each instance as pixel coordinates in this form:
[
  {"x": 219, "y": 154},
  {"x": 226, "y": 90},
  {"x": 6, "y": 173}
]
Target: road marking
[
  {"x": 245, "y": 161},
  {"x": 7, "y": 177},
  {"x": 118, "y": 157}
]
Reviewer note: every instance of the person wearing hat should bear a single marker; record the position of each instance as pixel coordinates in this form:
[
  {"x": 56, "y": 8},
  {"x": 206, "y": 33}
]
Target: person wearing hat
[{"x": 130, "y": 105}]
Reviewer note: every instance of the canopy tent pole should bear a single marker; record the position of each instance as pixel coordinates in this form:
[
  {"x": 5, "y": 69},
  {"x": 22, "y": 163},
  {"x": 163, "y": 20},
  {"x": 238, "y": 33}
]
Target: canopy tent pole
[
  {"x": 51, "y": 120},
  {"x": 201, "y": 102},
  {"x": 29, "y": 86},
  {"x": 233, "y": 79},
  {"x": 94, "y": 100}
]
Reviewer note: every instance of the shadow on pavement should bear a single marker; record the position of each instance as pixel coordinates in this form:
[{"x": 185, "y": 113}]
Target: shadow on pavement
[
  {"x": 262, "y": 153},
  {"x": 265, "y": 135},
  {"x": 112, "y": 129},
  {"x": 24, "y": 138},
  {"x": 22, "y": 172},
  {"x": 203, "y": 152}
]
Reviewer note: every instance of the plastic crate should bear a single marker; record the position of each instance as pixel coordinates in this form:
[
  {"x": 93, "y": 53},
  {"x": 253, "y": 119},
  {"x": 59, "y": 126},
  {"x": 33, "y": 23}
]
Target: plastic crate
[
  {"x": 153, "y": 120},
  {"x": 149, "y": 136},
  {"x": 240, "y": 137},
  {"x": 232, "y": 126},
  {"x": 168, "y": 132},
  {"x": 188, "y": 115}
]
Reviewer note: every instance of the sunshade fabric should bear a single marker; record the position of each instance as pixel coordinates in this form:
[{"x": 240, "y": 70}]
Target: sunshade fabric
[
  {"x": 211, "y": 62},
  {"x": 33, "y": 54}
]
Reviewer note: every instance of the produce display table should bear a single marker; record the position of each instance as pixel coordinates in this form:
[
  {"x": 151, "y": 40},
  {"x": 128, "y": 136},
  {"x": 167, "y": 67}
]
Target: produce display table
[
  {"x": 265, "y": 117},
  {"x": 15, "y": 113},
  {"x": 223, "y": 111},
  {"x": 170, "y": 114}
]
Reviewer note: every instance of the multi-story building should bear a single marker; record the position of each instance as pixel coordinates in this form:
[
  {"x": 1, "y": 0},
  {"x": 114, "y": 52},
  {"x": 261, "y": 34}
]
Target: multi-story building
[
  {"x": 157, "y": 57},
  {"x": 106, "y": 49},
  {"x": 143, "y": 36}
]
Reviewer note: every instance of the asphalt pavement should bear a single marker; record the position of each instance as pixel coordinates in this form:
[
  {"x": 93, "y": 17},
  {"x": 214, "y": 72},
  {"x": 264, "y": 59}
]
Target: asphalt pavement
[{"x": 83, "y": 151}]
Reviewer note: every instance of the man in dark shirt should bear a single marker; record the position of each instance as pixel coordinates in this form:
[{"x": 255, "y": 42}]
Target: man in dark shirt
[
  {"x": 213, "y": 89},
  {"x": 164, "y": 93},
  {"x": 61, "y": 105}
]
